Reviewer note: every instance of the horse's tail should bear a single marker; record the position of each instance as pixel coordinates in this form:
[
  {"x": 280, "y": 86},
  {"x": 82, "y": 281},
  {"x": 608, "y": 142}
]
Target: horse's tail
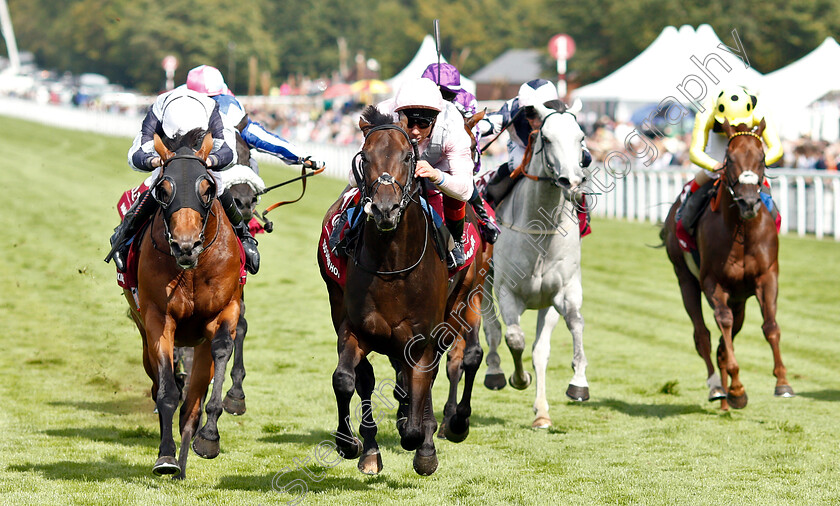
[{"x": 663, "y": 233}]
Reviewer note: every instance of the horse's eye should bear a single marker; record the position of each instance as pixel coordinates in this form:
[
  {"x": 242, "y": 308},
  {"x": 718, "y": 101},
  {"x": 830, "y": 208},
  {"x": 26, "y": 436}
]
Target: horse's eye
[
  {"x": 407, "y": 158},
  {"x": 546, "y": 141}
]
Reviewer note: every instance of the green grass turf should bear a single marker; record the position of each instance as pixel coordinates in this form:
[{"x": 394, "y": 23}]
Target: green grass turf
[{"x": 77, "y": 423}]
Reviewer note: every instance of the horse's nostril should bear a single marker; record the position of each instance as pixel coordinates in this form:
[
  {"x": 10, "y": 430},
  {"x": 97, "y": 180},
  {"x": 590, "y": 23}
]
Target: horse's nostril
[{"x": 564, "y": 182}]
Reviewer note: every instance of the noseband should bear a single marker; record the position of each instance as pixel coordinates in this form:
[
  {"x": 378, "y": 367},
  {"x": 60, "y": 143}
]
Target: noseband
[
  {"x": 181, "y": 200},
  {"x": 409, "y": 189}
]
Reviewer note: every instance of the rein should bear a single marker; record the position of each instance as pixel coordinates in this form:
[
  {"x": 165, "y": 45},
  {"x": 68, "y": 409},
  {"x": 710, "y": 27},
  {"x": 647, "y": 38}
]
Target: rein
[
  {"x": 521, "y": 170},
  {"x": 302, "y": 178}
]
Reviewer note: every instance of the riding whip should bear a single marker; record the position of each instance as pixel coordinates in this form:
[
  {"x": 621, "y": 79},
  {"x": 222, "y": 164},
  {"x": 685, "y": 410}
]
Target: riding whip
[{"x": 437, "y": 48}]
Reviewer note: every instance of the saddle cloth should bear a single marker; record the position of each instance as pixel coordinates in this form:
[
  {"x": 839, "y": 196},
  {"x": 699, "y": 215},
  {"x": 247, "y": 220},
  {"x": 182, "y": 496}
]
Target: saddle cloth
[{"x": 336, "y": 263}]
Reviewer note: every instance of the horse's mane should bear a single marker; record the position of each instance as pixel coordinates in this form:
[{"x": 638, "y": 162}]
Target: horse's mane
[
  {"x": 375, "y": 117},
  {"x": 191, "y": 139}
]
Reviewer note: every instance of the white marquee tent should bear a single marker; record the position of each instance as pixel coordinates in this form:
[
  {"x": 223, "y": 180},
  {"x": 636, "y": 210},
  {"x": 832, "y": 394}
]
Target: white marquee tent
[
  {"x": 425, "y": 55},
  {"x": 665, "y": 67},
  {"x": 793, "y": 93}
]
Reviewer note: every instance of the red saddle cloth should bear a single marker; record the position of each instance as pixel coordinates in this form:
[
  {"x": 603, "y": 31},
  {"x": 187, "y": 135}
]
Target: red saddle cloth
[
  {"x": 337, "y": 264},
  {"x": 128, "y": 279}
]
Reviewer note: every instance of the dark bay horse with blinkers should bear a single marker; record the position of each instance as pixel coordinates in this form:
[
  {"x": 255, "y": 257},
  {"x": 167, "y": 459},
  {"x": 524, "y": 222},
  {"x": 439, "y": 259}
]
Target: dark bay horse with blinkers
[
  {"x": 395, "y": 301},
  {"x": 189, "y": 295},
  {"x": 738, "y": 247}
]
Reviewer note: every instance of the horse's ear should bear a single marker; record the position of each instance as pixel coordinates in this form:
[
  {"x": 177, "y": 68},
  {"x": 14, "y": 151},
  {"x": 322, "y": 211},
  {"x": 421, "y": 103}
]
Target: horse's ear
[
  {"x": 475, "y": 118},
  {"x": 727, "y": 128},
  {"x": 403, "y": 122},
  {"x": 162, "y": 150},
  {"x": 206, "y": 147},
  {"x": 364, "y": 126},
  {"x": 761, "y": 127},
  {"x": 576, "y": 106}
]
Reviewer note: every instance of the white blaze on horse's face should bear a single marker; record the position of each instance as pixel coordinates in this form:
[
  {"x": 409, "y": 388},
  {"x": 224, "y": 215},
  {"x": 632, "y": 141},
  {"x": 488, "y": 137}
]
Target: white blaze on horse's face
[
  {"x": 748, "y": 177},
  {"x": 562, "y": 140}
]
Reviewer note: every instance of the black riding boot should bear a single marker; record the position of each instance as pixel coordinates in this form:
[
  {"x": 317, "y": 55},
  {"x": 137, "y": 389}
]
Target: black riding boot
[
  {"x": 692, "y": 207},
  {"x": 144, "y": 207},
  {"x": 456, "y": 257},
  {"x": 486, "y": 224},
  {"x": 499, "y": 185},
  {"x": 249, "y": 244}
]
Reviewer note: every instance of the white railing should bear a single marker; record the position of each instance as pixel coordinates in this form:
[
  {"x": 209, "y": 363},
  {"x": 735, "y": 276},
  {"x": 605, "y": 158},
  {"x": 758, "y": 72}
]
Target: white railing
[{"x": 808, "y": 200}]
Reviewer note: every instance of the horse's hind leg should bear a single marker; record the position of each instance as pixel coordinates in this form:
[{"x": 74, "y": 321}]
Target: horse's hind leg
[
  {"x": 494, "y": 377},
  {"x": 547, "y": 319},
  {"x": 690, "y": 289},
  {"x": 371, "y": 461},
  {"x": 766, "y": 292},
  {"x": 458, "y": 426},
  {"x": 234, "y": 402},
  {"x": 206, "y": 443},
  {"x": 202, "y": 366}
]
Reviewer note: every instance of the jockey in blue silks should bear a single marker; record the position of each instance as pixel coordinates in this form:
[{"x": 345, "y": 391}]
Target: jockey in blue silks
[{"x": 210, "y": 82}]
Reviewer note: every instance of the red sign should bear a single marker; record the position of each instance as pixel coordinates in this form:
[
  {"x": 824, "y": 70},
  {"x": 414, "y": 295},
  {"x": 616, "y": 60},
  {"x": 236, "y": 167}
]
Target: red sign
[
  {"x": 169, "y": 63},
  {"x": 561, "y": 47}
]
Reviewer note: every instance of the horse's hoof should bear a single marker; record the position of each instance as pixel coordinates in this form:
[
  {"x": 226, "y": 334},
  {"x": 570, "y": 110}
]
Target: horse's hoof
[
  {"x": 737, "y": 402},
  {"x": 350, "y": 452},
  {"x": 454, "y": 436},
  {"x": 205, "y": 448},
  {"x": 716, "y": 393},
  {"x": 520, "y": 386},
  {"x": 166, "y": 466},
  {"x": 442, "y": 430},
  {"x": 784, "y": 391},
  {"x": 495, "y": 381},
  {"x": 233, "y": 405},
  {"x": 576, "y": 393},
  {"x": 371, "y": 462},
  {"x": 425, "y": 465},
  {"x": 541, "y": 422}
]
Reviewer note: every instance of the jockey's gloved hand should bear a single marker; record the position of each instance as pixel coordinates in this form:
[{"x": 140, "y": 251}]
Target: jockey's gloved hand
[
  {"x": 484, "y": 126},
  {"x": 312, "y": 164},
  {"x": 212, "y": 161}
]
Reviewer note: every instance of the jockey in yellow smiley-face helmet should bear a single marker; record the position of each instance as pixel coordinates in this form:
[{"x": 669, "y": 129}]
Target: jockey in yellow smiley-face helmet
[{"x": 737, "y": 106}]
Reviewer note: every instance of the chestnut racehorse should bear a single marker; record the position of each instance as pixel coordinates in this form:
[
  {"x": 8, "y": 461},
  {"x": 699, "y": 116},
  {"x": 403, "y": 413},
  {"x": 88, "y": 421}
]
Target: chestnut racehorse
[
  {"x": 398, "y": 301},
  {"x": 188, "y": 295},
  {"x": 738, "y": 247}
]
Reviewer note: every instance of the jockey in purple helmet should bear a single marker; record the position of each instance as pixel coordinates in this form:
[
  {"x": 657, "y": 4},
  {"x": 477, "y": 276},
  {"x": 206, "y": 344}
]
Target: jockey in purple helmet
[
  {"x": 448, "y": 80},
  {"x": 249, "y": 135}
]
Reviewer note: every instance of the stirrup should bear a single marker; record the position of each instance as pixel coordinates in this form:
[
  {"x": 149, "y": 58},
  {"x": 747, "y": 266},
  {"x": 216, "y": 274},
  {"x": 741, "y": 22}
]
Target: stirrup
[{"x": 456, "y": 258}]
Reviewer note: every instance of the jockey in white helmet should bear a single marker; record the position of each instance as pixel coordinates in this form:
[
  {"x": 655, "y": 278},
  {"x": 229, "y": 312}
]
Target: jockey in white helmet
[{"x": 444, "y": 148}]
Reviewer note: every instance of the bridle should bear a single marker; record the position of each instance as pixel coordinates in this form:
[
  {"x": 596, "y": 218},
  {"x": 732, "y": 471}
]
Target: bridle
[
  {"x": 555, "y": 176},
  {"x": 193, "y": 201},
  {"x": 408, "y": 191},
  {"x": 730, "y": 183}
]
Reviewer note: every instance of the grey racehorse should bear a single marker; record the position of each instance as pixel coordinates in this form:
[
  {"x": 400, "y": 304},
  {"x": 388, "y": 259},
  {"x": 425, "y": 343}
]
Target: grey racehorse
[{"x": 537, "y": 260}]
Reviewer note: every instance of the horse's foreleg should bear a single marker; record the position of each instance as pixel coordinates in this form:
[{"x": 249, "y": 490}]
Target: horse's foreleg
[
  {"x": 454, "y": 370},
  {"x": 160, "y": 343},
  {"x": 766, "y": 292},
  {"x": 234, "y": 402},
  {"x": 494, "y": 377},
  {"x": 458, "y": 427},
  {"x": 344, "y": 384},
  {"x": 199, "y": 374},
  {"x": 690, "y": 290},
  {"x": 578, "y": 389},
  {"x": 735, "y": 394},
  {"x": 206, "y": 443},
  {"x": 425, "y": 458},
  {"x": 547, "y": 319},
  {"x": 371, "y": 461}
]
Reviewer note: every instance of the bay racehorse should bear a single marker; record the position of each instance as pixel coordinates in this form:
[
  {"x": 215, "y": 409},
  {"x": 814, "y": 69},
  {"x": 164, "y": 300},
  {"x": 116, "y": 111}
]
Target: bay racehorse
[
  {"x": 188, "y": 295},
  {"x": 397, "y": 301},
  {"x": 537, "y": 259},
  {"x": 738, "y": 249}
]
